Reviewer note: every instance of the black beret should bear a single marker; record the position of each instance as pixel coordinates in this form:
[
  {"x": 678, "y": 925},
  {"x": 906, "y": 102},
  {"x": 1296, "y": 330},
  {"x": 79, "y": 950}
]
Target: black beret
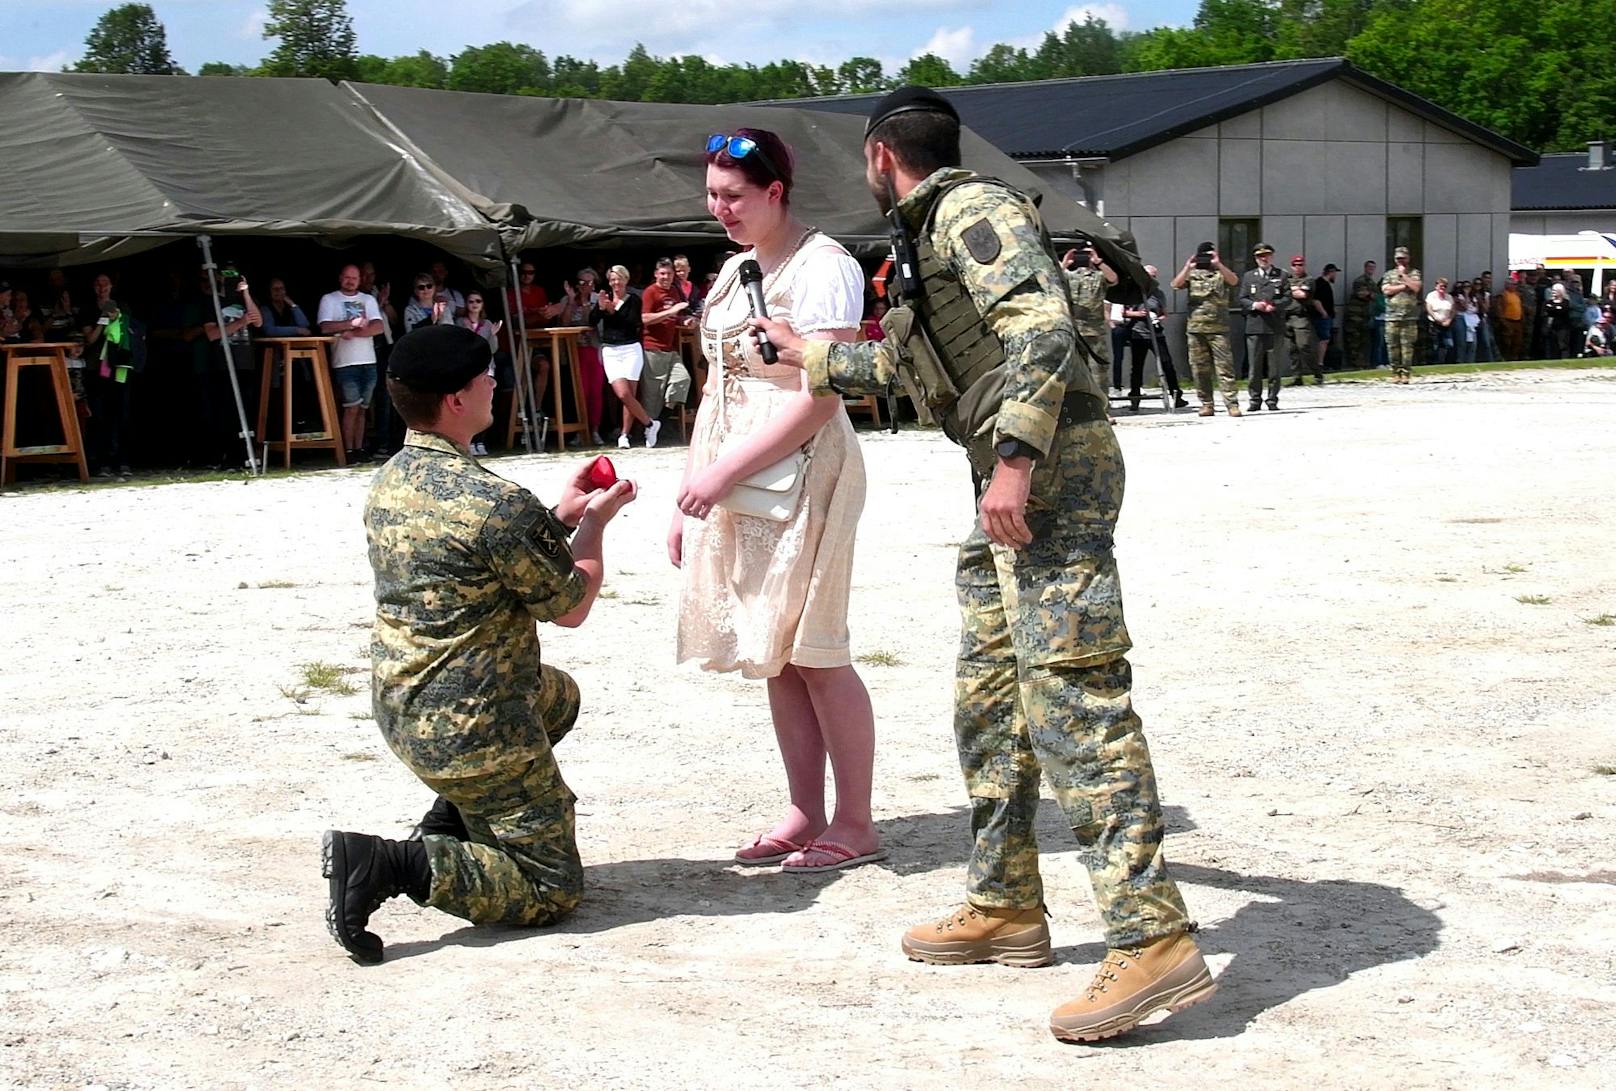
[
  {"x": 907, "y": 100},
  {"x": 439, "y": 359}
]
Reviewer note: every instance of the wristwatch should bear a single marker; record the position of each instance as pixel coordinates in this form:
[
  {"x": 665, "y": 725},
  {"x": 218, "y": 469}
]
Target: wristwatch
[{"x": 1015, "y": 448}]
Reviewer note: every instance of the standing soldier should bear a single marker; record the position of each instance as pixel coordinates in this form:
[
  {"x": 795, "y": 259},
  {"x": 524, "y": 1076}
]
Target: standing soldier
[
  {"x": 1087, "y": 278},
  {"x": 465, "y": 564},
  {"x": 1360, "y": 318},
  {"x": 1042, "y": 681},
  {"x": 1207, "y": 329},
  {"x": 1299, "y": 333},
  {"x": 1401, "y": 287},
  {"x": 1262, "y": 298}
]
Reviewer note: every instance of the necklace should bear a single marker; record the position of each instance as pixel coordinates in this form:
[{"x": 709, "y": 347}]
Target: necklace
[{"x": 796, "y": 246}]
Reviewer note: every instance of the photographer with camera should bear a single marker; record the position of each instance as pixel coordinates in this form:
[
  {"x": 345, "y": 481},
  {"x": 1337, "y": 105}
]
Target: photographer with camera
[
  {"x": 1087, "y": 278},
  {"x": 1207, "y": 329},
  {"x": 1145, "y": 334}
]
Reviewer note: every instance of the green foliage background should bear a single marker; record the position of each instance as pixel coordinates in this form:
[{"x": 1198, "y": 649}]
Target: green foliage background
[{"x": 1543, "y": 75}]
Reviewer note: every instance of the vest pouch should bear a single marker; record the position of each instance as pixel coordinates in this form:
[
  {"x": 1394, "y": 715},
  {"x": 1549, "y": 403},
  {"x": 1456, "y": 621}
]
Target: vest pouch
[{"x": 923, "y": 371}]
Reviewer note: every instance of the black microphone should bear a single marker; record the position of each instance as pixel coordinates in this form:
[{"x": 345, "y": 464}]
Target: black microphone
[{"x": 752, "y": 281}]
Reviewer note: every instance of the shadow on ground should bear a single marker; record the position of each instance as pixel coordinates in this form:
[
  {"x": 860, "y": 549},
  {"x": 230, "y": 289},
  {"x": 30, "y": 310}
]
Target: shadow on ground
[{"x": 1292, "y": 937}]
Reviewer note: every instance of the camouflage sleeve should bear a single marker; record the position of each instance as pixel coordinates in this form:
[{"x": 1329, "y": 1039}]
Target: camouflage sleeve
[
  {"x": 850, "y": 367},
  {"x": 526, "y": 546},
  {"x": 992, "y": 238}
]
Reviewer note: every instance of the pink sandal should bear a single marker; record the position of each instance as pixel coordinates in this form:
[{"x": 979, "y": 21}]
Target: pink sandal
[
  {"x": 840, "y": 857},
  {"x": 765, "y": 850}
]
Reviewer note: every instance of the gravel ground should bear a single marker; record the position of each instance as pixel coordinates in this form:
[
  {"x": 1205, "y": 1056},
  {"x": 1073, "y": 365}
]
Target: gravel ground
[{"x": 1365, "y": 656}]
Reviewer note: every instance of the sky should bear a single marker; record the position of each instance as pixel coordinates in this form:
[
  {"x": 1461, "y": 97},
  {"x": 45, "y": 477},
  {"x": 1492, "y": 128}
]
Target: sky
[{"x": 45, "y": 35}]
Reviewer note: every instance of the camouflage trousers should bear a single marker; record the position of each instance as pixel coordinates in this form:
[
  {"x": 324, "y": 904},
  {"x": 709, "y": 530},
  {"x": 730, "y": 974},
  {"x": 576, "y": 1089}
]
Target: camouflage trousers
[
  {"x": 1400, "y": 340},
  {"x": 1209, "y": 351},
  {"x": 1098, "y": 339},
  {"x": 1357, "y": 334},
  {"x": 1042, "y": 689},
  {"x": 520, "y": 863}
]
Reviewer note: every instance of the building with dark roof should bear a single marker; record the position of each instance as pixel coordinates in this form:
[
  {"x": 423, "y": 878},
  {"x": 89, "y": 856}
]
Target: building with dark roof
[
  {"x": 1565, "y": 194},
  {"x": 1313, "y": 156}
]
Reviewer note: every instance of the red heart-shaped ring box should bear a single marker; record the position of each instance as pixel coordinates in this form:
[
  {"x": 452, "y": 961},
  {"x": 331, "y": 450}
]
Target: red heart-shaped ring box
[{"x": 602, "y": 474}]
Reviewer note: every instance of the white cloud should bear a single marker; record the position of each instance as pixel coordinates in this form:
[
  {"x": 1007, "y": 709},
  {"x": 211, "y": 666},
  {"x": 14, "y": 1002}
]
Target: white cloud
[
  {"x": 1115, "y": 16},
  {"x": 957, "y": 46},
  {"x": 50, "y": 62},
  {"x": 252, "y": 27}
]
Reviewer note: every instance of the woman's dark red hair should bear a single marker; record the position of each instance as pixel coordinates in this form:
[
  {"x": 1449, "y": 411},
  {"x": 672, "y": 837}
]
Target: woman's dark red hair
[{"x": 776, "y": 153}]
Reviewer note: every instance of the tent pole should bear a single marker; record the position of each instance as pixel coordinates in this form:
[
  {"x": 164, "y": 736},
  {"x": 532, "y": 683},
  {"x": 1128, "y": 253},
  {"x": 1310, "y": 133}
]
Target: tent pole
[
  {"x": 206, "y": 243},
  {"x": 520, "y": 358}
]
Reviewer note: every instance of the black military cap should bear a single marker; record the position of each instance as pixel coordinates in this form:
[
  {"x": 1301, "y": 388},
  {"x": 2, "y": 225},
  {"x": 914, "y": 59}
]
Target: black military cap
[
  {"x": 909, "y": 99},
  {"x": 439, "y": 359}
]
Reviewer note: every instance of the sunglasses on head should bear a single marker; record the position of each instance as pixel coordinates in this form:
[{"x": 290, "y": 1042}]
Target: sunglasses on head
[{"x": 739, "y": 147}]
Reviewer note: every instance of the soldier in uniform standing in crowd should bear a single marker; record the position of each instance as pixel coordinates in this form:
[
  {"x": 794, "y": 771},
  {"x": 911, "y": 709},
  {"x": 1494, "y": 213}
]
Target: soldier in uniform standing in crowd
[
  {"x": 1207, "y": 329},
  {"x": 1087, "y": 278},
  {"x": 1360, "y": 318},
  {"x": 1262, "y": 298},
  {"x": 1300, "y": 336},
  {"x": 465, "y": 564},
  {"x": 1401, "y": 286},
  {"x": 1042, "y": 681},
  {"x": 1531, "y": 289}
]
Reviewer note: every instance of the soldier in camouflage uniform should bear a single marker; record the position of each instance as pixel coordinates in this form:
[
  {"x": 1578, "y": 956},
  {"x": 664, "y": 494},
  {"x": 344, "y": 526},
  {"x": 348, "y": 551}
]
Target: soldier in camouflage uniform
[
  {"x": 465, "y": 564},
  {"x": 1401, "y": 286},
  {"x": 1360, "y": 313},
  {"x": 1300, "y": 335},
  {"x": 1207, "y": 329},
  {"x": 1087, "y": 278},
  {"x": 1042, "y": 683}
]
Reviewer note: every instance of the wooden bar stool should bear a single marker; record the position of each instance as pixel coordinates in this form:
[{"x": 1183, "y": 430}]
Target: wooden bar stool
[
  {"x": 556, "y": 337},
  {"x": 51, "y": 355},
  {"x": 290, "y": 350}
]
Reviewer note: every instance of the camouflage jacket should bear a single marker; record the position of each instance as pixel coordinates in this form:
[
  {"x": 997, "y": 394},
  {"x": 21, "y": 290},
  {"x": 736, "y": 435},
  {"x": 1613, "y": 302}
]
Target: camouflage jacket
[
  {"x": 1404, "y": 306},
  {"x": 992, "y": 240},
  {"x": 1369, "y": 285},
  {"x": 1087, "y": 287},
  {"x": 464, "y": 561},
  {"x": 1209, "y": 302}
]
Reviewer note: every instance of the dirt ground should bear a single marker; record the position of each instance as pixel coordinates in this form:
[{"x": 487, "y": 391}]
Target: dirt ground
[{"x": 1363, "y": 657}]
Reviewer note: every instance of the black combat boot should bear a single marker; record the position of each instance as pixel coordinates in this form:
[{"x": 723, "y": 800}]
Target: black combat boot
[
  {"x": 442, "y": 818},
  {"x": 365, "y": 871}
]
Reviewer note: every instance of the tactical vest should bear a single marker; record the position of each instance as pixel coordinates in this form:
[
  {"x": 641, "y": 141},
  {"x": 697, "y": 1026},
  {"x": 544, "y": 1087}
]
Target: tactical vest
[{"x": 951, "y": 360}]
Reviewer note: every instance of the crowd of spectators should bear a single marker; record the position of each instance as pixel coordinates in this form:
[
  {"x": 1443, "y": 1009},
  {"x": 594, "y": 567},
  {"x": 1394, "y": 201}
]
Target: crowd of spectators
[{"x": 172, "y": 328}]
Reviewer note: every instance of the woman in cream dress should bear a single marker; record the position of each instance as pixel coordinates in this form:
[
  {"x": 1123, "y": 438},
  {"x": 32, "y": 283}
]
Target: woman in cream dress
[{"x": 769, "y": 599}]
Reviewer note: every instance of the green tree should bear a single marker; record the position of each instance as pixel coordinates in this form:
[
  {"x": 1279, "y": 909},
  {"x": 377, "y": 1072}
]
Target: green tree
[
  {"x": 1319, "y": 28},
  {"x": 628, "y": 82},
  {"x": 1001, "y": 64},
  {"x": 1544, "y": 80},
  {"x": 861, "y": 75},
  {"x": 417, "y": 70},
  {"x": 929, "y": 70},
  {"x": 129, "y": 38},
  {"x": 503, "y": 68},
  {"x": 220, "y": 68},
  {"x": 1089, "y": 48},
  {"x": 316, "y": 39},
  {"x": 574, "y": 78}
]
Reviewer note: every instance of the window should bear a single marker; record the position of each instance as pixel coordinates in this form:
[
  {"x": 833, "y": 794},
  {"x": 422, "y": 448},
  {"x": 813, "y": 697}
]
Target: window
[
  {"x": 1406, "y": 231},
  {"x": 1235, "y": 240}
]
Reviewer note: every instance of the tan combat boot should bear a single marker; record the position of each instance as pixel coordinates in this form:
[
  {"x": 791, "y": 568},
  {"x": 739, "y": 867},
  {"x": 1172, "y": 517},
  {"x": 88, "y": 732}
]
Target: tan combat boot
[
  {"x": 1206, "y": 410},
  {"x": 1011, "y": 937},
  {"x": 1132, "y": 984},
  {"x": 1234, "y": 410}
]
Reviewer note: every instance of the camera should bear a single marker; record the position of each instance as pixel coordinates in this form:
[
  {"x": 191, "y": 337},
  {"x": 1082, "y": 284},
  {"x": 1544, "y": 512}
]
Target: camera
[{"x": 1203, "y": 256}]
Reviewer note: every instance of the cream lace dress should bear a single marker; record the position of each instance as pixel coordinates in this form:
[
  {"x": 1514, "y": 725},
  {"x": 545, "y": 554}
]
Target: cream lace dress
[{"x": 758, "y": 594}]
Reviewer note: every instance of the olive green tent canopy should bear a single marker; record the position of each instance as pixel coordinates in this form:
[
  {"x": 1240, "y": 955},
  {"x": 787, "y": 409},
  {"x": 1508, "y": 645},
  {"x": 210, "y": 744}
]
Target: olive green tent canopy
[
  {"x": 100, "y": 166},
  {"x": 582, "y": 172}
]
